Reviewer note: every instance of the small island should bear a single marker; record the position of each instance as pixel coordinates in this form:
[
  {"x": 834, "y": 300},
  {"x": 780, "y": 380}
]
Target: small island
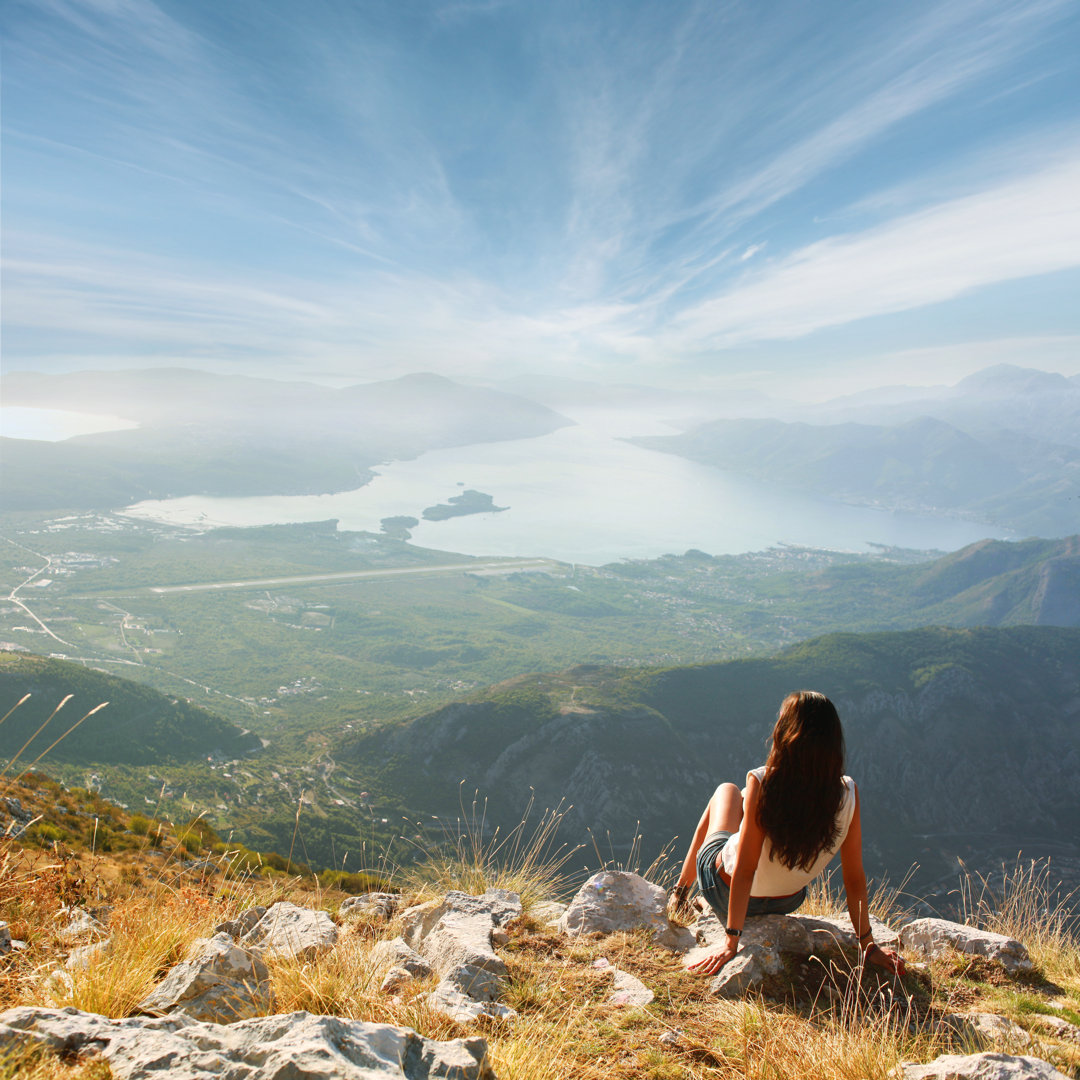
[
  {"x": 398, "y": 526},
  {"x": 468, "y": 502}
]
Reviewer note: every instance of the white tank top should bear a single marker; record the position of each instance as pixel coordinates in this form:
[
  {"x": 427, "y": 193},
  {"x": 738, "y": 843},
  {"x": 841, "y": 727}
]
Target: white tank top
[{"x": 773, "y": 878}]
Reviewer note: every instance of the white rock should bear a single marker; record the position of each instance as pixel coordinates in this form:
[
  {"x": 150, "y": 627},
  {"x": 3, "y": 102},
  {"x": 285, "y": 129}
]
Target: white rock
[
  {"x": 629, "y": 991},
  {"x": 464, "y": 1009},
  {"x": 243, "y": 922},
  {"x": 83, "y": 956},
  {"x": 81, "y": 927},
  {"x": 934, "y": 937},
  {"x": 832, "y": 933},
  {"x": 501, "y": 905},
  {"x": 221, "y": 983},
  {"x": 480, "y": 984},
  {"x": 381, "y": 904},
  {"x": 396, "y": 953},
  {"x": 982, "y": 1029},
  {"x": 1057, "y": 1026},
  {"x": 614, "y": 900},
  {"x": 289, "y": 930},
  {"x": 418, "y": 921},
  {"x": 395, "y": 979},
  {"x": 743, "y": 973},
  {"x": 459, "y": 939},
  {"x": 548, "y": 912},
  {"x": 980, "y": 1067},
  {"x": 287, "y": 1045}
]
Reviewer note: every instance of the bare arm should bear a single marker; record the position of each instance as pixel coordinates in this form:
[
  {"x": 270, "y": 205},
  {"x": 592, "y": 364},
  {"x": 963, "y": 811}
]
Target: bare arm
[
  {"x": 858, "y": 903},
  {"x": 751, "y": 840}
]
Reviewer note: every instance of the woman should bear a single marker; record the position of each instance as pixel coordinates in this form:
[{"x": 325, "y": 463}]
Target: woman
[{"x": 756, "y": 850}]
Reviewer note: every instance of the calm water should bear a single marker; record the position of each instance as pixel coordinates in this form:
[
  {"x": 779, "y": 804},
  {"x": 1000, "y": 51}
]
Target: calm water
[
  {"x": 52, "y": 425},
  {"x": 582, "y": 494}
]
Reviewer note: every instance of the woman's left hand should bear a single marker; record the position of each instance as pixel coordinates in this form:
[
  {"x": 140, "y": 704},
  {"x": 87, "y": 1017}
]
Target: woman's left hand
[
  {"x": 712, "y": 962},
  {"x": 886, "y": 958}
]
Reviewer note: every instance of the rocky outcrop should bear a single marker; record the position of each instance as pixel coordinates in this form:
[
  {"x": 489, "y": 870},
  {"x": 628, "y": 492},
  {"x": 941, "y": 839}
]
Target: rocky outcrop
[
  {"x": 980, "y": 1067},
  {"x": 221, "y": 983},
  {"x": 286, "y": 1045},
  {"x": 983, "y": 1030},
  {"x": 245, "y": 921},
  {"x": 289, "y": 930},
  {"x": 936, "y": 937},
  {"x": 455, "y": 936},
  {"x": 380, "y": 905},
  {"x": 614, "y": 900}
]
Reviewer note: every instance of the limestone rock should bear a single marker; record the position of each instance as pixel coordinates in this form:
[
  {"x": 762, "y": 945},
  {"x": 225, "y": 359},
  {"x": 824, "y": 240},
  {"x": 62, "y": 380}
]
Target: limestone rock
[
  {"x": 459, "y": 939},
  {"x": 460, "y": 1007},
  {"x": 397, "y": 954},
  {"x": 615, "y": 900},
  {"x": 934, "y": 937},
  {"x": 380, "y": 904},
  {"x": 980, "y": 1067},
  {"x": 548, "y": 912},
  {"x": 5, "y": 938},
  {"x": 835, "y": 934},
  {"x": 80, "y": 928},
  {"x": 238, "y": 927},
  {"x": 1057, "y": 1026},
  {"x": 982, "y": 1029},
  {"x": 745, "y": 972},
  {"x": 84, "y": 956},
  {"x": 286, "y": 1045},
  {"x": 395, "y": 979},
  {"x": 221, "y": 983},
  {"x": 418, "y": 921},
  {"x": 629, "y": 991},
  {"x": 478, "y": 983},
  {"x": 292, "y": 931}
]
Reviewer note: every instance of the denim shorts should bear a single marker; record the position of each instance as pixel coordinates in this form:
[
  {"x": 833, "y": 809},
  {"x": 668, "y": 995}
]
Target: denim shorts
[{"x": 717, "y": 893}]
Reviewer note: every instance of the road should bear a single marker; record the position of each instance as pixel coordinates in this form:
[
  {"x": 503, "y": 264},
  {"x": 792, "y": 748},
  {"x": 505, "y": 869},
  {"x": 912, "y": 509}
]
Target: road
[
  {"x": 11, "y": 597},
  {"x": 507, "y": 565}
]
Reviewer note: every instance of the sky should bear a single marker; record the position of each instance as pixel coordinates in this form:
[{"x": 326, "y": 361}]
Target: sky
[{"x": 776, "y": 195}]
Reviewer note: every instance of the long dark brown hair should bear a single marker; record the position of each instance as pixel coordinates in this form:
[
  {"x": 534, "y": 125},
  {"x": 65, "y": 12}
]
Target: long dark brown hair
[{"x": 803, "y": 784}]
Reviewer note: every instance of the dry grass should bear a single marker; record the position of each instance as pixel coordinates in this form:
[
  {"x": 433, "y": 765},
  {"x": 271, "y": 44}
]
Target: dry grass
[{"x": 826, "y": 1025}]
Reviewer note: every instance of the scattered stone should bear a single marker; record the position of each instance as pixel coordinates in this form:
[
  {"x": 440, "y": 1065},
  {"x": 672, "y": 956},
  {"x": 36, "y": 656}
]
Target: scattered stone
[
  {"x": 548, "y": 912},
  {"x": 982, "y": 1029},
  {"x": 381, "y": 904},
  {"x": 245, "y": 921},
  {"x": 1057, "y": 1026},
  {"x": 286, "y": 1045},
  {"x": 84, "y": 956},
  {"x": 289, "y": 930},
  {"x": 5, "y": 938},
  {"x": 81, "y": 927},
  {"x": 614, "y": 900},
  {"x": 934, "y": 937},
  {"x": 738, "y": 976},
  {"x": 980, "y": 1067},
  {"x": 395, "y": 979},
  {"x": 398, "y": 955},
  {"x": 630, "y": 991},
  {"x": 222, "y": 983},
  {"x": 674, "y": 1040},
  {"x": 418, "y": 921},
  {"x": 454, "y": 935}
]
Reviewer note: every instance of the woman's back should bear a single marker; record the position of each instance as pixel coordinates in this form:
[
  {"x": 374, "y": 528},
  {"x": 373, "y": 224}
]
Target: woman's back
[{"x": 772, "y": 878}]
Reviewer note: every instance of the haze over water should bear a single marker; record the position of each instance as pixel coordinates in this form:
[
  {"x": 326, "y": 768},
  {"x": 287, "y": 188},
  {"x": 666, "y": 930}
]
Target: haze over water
[{"x": 584, "y": 494}]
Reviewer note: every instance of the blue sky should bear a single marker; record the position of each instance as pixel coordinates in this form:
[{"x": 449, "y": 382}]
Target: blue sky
[{"x": 826, "y": 195}]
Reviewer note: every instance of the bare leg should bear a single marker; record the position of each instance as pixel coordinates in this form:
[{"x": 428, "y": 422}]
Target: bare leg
[{"x": 724, "y": 812}]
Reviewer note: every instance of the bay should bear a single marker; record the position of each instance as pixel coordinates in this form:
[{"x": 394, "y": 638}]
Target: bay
[
  {"x": 54, "y": 425},
  {"x": 583, "y": 494}
]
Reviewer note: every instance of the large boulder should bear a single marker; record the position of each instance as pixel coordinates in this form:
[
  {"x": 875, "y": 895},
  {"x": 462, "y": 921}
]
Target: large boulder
[
  {"x": 614, "y": 900},
  {"x": 980, "y": 1067},
  {"x": 238, "y": 927},
  {"x": 221, "y": 983},
  {"x": 395, "y": 953},
  {"x": 285, "y": 1045},
  {"x": 456, "y": 936},
  {"x": 935, "y": 937},
  {"x": 289, "y": 930}
]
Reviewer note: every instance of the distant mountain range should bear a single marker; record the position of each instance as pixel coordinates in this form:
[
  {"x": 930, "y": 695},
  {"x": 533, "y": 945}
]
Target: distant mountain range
[
  {"x": 229, "y": 435},
  {"x": 964, "y": 743},
  {"x": 985, "y": 450}
]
